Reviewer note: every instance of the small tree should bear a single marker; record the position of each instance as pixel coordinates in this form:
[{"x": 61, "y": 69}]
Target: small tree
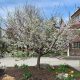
[{"x": 26, "y": 25}]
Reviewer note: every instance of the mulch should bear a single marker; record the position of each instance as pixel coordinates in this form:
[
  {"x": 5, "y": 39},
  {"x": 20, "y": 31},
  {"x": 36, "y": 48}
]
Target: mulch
[{"x": 37, "y": 74}]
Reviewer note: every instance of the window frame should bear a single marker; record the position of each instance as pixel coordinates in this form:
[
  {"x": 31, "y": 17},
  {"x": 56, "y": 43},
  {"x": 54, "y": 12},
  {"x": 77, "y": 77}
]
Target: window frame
[{"x": 76, "y": 44}]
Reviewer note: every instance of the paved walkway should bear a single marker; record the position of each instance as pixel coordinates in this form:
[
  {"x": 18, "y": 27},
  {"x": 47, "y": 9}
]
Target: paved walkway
[{"x": 32, "y": 61}]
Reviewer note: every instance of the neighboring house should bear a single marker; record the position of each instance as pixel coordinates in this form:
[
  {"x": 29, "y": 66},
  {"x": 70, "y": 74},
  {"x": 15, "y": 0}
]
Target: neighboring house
[{"x": 74, "y": 34}]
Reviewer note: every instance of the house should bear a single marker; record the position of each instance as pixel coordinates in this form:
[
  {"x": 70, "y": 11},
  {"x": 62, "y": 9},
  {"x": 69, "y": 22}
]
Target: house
[{"x": 74, "y": 34}]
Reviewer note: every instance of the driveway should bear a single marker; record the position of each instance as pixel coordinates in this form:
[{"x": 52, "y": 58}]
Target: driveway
[{"x": 9, "y": 62}]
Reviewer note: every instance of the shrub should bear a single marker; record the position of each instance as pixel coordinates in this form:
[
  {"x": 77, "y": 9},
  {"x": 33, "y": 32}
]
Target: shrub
[
  {"x": 26, "y": 75},
  {"x": 53, "y": 53},
  {"x": 50, "y": 69},
  {"x": 20, "y": 54},
  {"x": 16, "y": 66},
  {"x": 24, "y": 66},
  {"x": 76, "y": 74},
  {"x": 62, "y": 68}
]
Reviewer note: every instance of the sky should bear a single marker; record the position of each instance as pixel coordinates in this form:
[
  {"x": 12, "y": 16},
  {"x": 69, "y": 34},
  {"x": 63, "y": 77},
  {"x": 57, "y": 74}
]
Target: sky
[{"x": 48, "y": 8}]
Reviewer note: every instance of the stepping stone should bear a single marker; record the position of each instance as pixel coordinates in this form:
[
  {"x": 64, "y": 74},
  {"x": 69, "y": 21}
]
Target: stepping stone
[{"x": 7, "y": 77}]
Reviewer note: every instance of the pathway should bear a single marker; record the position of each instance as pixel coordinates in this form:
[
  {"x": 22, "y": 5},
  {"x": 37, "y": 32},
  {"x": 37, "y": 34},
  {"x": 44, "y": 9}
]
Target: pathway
[{"x": 32, "y": 61}]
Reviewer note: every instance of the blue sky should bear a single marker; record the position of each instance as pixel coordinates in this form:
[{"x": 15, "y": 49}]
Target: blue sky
[{"x": 48, "y": 7}]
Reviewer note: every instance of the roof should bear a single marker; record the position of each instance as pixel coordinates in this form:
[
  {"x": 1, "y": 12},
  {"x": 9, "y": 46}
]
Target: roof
[
  {"x": 76, "y": 12},
  {"x": 76, "y": 39}
]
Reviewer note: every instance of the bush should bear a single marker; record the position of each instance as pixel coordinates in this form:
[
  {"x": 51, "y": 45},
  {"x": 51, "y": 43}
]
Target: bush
[
  {"x": 19, "y": 54},
  {"x": 53, "y": 53},
  {"x": 26, "y": 73},
  {"x": 63, "y": 68},
  {"x": 24, "y": 66},
  {"x": 50, "y": 69},
  {"x": 76, "y": 74},
  {"x": 16, "y": 66}
]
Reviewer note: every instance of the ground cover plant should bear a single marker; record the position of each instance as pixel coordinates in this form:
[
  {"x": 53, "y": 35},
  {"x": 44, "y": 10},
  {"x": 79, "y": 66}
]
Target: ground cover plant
[{"x": 65, "y": 72}]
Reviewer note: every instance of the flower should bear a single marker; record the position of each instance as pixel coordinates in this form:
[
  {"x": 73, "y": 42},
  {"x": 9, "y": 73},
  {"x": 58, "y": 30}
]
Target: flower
[
  {"x": 72, "y": 72},
  {"x": 71, "y": 75},
  {"x": 66, "y": 75}
]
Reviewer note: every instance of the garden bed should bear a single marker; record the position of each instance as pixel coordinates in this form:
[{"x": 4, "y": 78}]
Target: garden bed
[{"x": 33, "y": 73}]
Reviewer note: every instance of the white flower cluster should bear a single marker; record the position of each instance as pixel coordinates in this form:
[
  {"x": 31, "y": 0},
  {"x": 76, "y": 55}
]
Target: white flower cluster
[{"x": 63, "y": 76}]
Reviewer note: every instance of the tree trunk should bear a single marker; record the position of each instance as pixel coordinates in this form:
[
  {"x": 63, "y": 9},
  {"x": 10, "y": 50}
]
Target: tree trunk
[{"x": 38, "y": 61}]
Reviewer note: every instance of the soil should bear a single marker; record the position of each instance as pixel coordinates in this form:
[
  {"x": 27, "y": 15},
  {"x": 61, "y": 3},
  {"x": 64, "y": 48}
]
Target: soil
[{"x": 37, "y": 74}]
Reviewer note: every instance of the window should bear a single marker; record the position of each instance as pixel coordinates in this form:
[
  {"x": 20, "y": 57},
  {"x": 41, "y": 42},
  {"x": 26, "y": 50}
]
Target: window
[
  {"x": 77, "y": 18},
  {"x": 76, "y": 44}
]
